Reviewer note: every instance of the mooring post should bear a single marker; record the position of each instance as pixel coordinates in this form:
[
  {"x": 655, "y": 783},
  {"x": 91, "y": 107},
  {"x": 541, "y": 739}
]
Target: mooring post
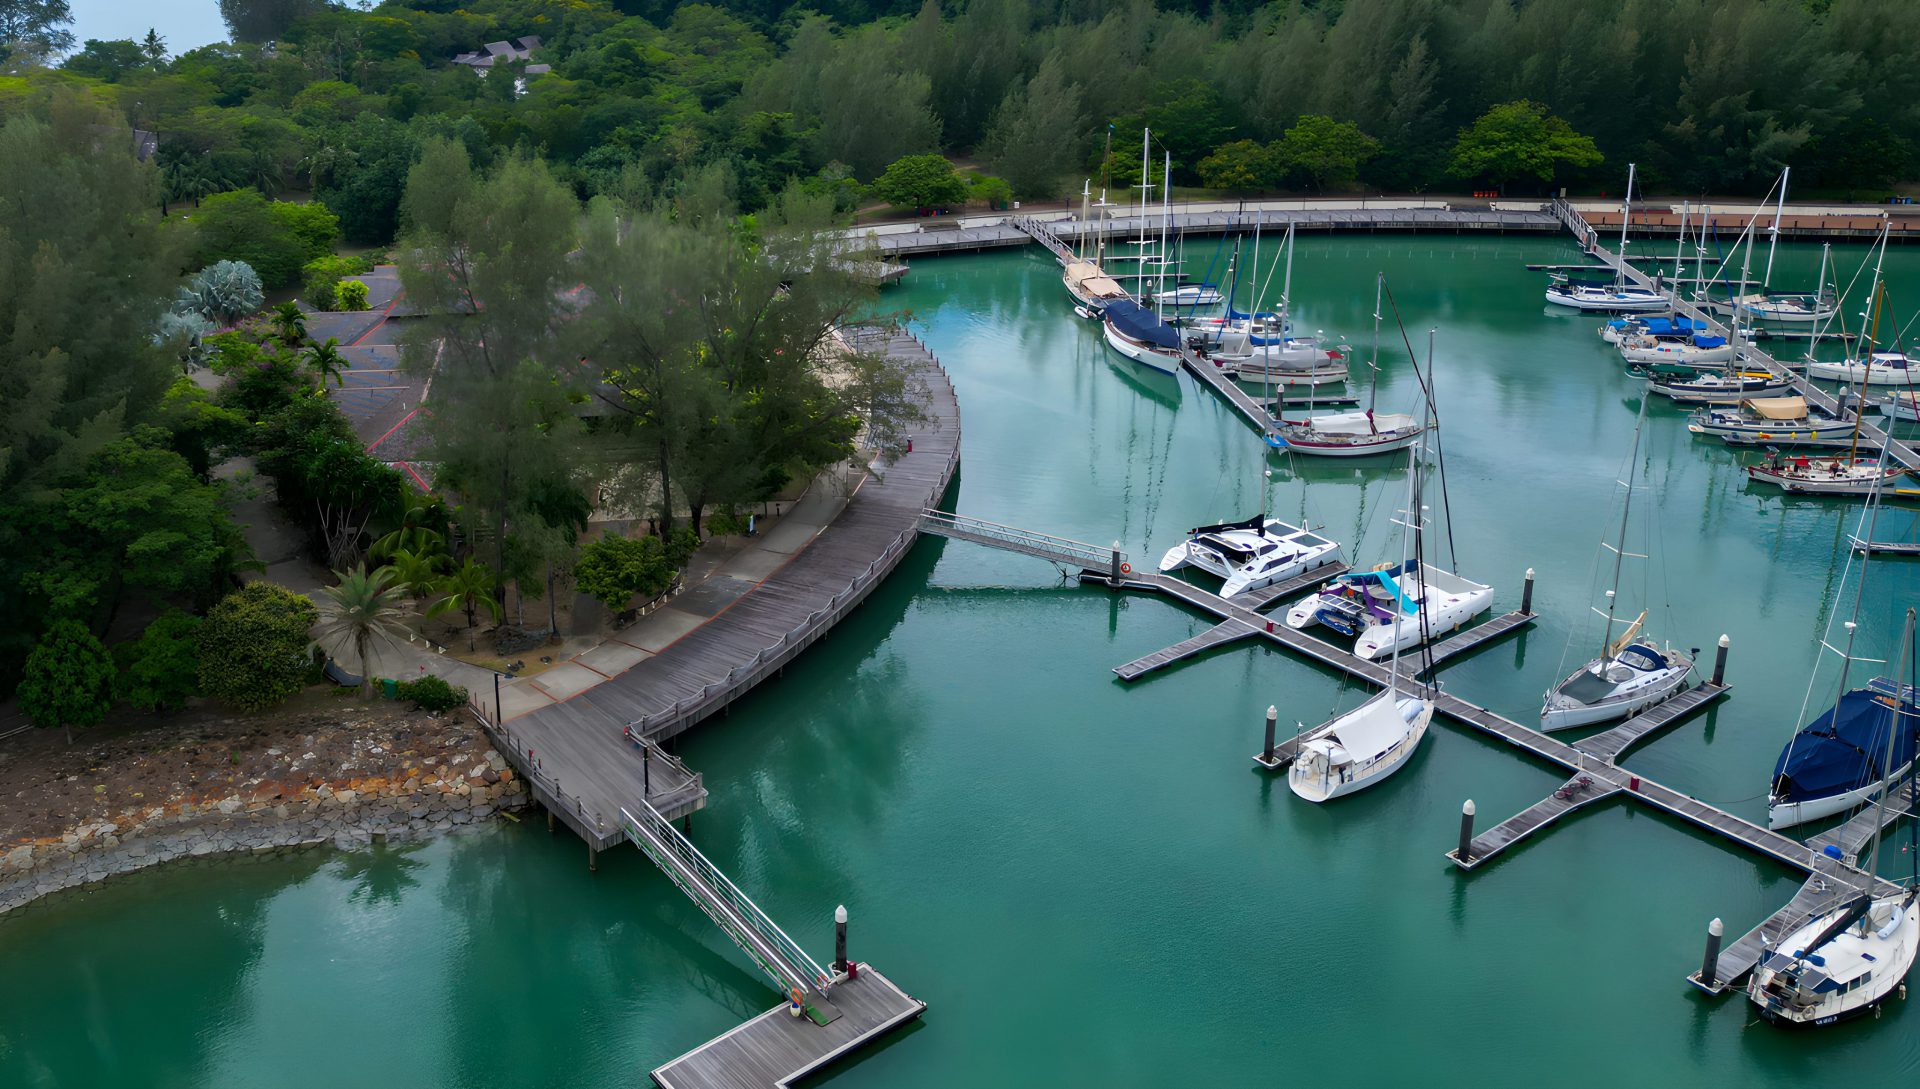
[
  {"x": 1526, "y": 593},
  {"x": 1710, "y": 966},
  {"x": 840, "y": 938},
  {"x": 593, "y": 859},
  {"x": 646, "y": 770},
  {"x": 1720, "y": 660},
  {"x": 1466, "y": 832},
  {"x": 496, "y": 700},
  {"x": 1273, "y": 717},
  {"x": 1113, "y": 565},
  {"x": 549, "y": 819}
]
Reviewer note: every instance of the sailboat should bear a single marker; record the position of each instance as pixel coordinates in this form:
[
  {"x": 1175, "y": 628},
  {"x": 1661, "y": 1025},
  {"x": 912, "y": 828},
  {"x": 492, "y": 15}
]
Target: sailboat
[
  {"x": 1263, "y": 342},
  {"x": 1835, "y": 762},
  {"x": 1085, "y": 276},
  {"x": 1617, "y": 296},
  {"x": 1631, "y": 673},
  {"x": 1131, "y": 329},
  {"x": 1828, "y": 476},
  {"x": 1875, "y": 368},
  {"x": 1372, "y": 741},
  {"x": 1774, "y": 421},
  {"x": 1352, "y": 434},
  {"x": 1785, "y": 308},
  {"x": 1847, "y": 960}
]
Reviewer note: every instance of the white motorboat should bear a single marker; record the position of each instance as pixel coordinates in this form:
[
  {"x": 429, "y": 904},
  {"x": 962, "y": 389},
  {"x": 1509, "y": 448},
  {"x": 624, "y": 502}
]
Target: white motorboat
[
  {"x": 1690, "y": 350},
  {"x": 1140, "y": 335},
  {"x": 1842, "y": 963},
  {"x": 1361, "y": 747},
  {"x": 1251, "y": 554},
  {"x": 1904, "y": 405},
  {"x": 1878, "y": 369},
  {"x": 1716, "y": 389},
  {"x": 1801, "y": 475},
  {"x": 1393, "y": 607}
]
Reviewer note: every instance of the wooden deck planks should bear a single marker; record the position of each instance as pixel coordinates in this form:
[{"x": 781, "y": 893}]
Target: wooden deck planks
[
  {"x": 1227, "y": 631},
  {"x": 1572, "y": 796},
  {"x": 1853, "y": 835},
  {"x": 1478, "y": 636},
  {"x": 1819, "y": 893},
  {"x": 1610, "y": 744},
  {"x": 774, "y": 1049}
]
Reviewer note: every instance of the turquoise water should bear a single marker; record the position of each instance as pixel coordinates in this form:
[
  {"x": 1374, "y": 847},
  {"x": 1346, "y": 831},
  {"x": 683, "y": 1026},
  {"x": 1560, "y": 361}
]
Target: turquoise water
[{"x": 1088, "y": 883}]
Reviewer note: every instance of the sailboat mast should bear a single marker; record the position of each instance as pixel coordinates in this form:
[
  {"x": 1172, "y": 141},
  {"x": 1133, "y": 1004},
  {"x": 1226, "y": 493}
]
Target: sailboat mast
[
  {"x": 1774, "y": 239},
  {"x": 1680, "y": 249},
  {"x": 1407, "y": 547},
  {"x": 1626, "y": 213},
  {"x": 1819, "y": 297},
  {"x": 1901, "y": 680},
  {"x": 1286, "y": 285},
  {"x": 1146, "y": 190},
  {"x": 1086, "y": 207},
  {"x": 1166, "y": 230},
  {"x": 1620, "y": 550}
]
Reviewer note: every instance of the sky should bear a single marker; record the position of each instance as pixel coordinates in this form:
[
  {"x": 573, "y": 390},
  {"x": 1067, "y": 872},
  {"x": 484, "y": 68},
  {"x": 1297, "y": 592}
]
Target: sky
[{"x": 185, "y": 24}]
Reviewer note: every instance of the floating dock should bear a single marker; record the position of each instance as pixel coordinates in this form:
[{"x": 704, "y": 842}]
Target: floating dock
[{"x": 776, "y": 1049}]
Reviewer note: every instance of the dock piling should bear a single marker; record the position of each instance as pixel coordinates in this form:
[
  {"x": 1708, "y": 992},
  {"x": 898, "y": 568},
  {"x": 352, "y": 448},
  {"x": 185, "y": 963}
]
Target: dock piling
[
  {"x": 593, "y": 858},
  {"x": 840, "y": 938},
  {"x": 1273, "y": 717},
  {"x": 1711, "y": 963},
  {"x": 1466, "y": 832},
  {"x": 1720, "y": 660},
  {"x": 1526, "y": 593},
  {"x": 1113, "y": 565}
]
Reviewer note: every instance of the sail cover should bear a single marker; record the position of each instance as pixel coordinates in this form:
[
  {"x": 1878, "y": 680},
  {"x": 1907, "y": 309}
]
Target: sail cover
[
  {"x": 1848, "y": 746},
  {"x": 1777, "y": 408},
  {"x": 1136, "y": 322},
  {"x": 1375, "y": 726},
  {"x": 1359, "y": 423},
  {"x": 1092, "y": 281}
]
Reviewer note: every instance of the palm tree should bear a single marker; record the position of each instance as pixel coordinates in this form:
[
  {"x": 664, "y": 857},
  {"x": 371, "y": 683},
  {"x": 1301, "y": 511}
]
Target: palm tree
[
  {"x": 361, "y": 607},
  {"x": 415, "y": 533},
  {"x": 291, "y": 321},
  {"x": 417, "y": 571},
  {"x": 470, "y": 588},
  {"x": 326, "y": 361}
]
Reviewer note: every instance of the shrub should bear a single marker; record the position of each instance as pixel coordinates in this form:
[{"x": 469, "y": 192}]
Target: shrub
[
  {"x": 431, "y": 693},
  {"x": 160, "y": 670},
  {"x": 311, "y": 225},
  {"x": 253, "y": 646},
  {"x": 920, "y": 181},
  {"x": 244, "y": 226},
  {"x": 352, "y": 295},
  {"x": 320, "y": 277},
  {"x": 613, "y": 569},
  {"x": 223, "y": 292},
  {"x": 67, "y": 679}
]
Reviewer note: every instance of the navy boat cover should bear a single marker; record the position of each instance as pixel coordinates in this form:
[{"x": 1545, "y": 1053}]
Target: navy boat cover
[
  {"x": 1138, "y": 323},
  {"x": 1848, "y": 747}
]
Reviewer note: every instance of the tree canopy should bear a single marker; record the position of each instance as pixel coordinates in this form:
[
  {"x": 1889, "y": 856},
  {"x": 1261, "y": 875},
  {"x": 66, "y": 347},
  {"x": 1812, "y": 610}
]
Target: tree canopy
[{"x": 1520, "y": 140}]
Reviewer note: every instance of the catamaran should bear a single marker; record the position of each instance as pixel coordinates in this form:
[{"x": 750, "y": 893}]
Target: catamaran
[
  {"x": 1374, "y": 740},
  {"x": 1631, "y": 673},
  {"x": 1251, "y": 554}
]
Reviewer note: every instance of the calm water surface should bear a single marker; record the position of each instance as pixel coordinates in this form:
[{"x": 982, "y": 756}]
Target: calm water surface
[{"x": 1087, "y": 882}]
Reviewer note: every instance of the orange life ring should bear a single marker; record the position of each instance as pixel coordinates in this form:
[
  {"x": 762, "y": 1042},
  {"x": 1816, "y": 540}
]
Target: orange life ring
[{"x": 1126, "y": 569}]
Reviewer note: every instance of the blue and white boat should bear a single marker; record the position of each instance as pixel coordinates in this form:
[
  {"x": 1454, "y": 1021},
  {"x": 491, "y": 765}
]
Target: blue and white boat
[
  {"x": 1836, "y": 762},
  {"x": 1689, "y": 350},
  {"x": 1659, "y": 325},
  {"x": 1140, "y": 335}
]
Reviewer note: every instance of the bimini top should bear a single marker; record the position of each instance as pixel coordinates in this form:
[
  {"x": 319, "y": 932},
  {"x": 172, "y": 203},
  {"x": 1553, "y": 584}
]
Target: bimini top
[
  {"x": 1138, "y": 323},
  {"x": 1847, "y": 747},
  {"x": 1777, "y": 408},
  {"x": 1387, "y": 577}
]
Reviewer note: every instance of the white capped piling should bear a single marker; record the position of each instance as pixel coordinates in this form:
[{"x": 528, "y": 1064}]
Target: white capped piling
[
  {"x": 1710, "y": 964},
  {"x": 1720, "y": 660},
  {"x": 1526, "y": 593},
  {"x": 840, "y": 938},
  {"x": 1466, "y": 831},
  {"x": 1273, "y": 717},
  {"x": 1113, "y": 565}
]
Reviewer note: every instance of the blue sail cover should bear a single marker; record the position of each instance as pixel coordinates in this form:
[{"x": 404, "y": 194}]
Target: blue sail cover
[
  {"x": 1847, "y": 747},
  {"x": 1703, "y": 340},
  {"x": 1136, "y": 322},
  {"x": 1662, "y": 327}
]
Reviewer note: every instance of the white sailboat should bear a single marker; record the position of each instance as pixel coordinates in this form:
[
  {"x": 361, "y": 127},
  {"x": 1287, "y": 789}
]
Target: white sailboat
[
  {"x": 1352, "y": 434},
  {"x": 1374, "y": 740},
  {"x": 1783, "y": 308},
  {"x": 1619, "y": 296},
  {"x": 1131, "y": 329},
  {"x": 1630, "y": 674},
  {"x": 1844, "y": 961}
]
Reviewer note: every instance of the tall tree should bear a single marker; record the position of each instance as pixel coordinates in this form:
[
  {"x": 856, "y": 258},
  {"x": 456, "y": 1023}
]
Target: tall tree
[
  {"x": 1038, "y": 134},
  {"x": 362, "y": 609},
  {"x": 265, "y": 20},
  {"x": 33, "y": 31},
  {"x": 1520, "y": 140}
]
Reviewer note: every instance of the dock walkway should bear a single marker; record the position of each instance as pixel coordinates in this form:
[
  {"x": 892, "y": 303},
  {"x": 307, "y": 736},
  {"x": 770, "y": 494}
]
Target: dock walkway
[{"x": 775, "y": 1050}]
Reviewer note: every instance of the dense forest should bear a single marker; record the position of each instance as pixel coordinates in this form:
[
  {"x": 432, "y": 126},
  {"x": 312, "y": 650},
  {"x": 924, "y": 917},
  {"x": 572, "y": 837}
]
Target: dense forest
[{"x": 1706, "y": 95}]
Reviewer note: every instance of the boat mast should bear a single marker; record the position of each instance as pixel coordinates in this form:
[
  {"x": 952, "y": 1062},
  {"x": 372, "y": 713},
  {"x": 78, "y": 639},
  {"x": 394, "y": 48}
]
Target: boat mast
[
  {"x": 1859, "y": 387},
  {"x": 1286, "y": 287},
  {"x": 1146, "y": 189},
  {"x": 1819, "y": 295},
  {"x": 1407, "y": 535},
  {"x": 1893, "y": 738},
  {"x": 1166, "y": 230},
  {"x": 1626, "y": 213},
  {"x": 1620, "y": 551},
  {"x": 1080, "y": 237},
  {"x": 1106, "y": 182},
  {"x": 1680, "y": 249},
  {"x": 1773, "y": 239}
]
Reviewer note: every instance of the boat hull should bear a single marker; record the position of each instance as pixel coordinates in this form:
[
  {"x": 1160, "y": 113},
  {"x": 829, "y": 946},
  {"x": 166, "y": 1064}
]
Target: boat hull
[
  {"x": 1342, "y": 450},
  {"x": 1855, "y": 374},
  {"x": 1158, "y": 359},
  {"x": 1379, "y": 640},
  {"x": 1610, "y": 303},
  {"x": 1787, "y": 814},
  {"x": 1571, "y": 718},
  {"x": 1321, "y": 789},
  {"x": 1818, "y": 486}
]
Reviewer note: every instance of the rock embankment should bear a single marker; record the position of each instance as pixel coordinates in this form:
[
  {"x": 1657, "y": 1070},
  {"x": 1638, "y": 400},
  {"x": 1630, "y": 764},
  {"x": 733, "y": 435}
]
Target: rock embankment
[{"x": 133, "y": 804}]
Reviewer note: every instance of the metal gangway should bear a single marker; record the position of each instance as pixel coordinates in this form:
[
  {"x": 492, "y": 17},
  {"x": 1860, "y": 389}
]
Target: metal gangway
[
  {"x": 1044, "y": 235},
  {"x": 1062, "y": 550},
  {"x": 793, "y": 973}
]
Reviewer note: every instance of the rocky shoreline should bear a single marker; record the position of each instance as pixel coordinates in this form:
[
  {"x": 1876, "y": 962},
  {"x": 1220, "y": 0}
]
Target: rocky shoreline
[{"x": 392, "y": 776}]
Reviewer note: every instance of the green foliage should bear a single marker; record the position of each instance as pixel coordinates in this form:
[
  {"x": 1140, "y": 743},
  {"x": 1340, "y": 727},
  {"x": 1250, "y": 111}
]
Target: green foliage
[
  {"x": 198, "y": 425},
  {"x": 106, "y": 61},
  {"x": 322, "y": 275},
  {"x": 920, "y": 181},
  {"x": 1520, "y": 140},
  {"x": 265, "y": 20},
  {"x": 431, "y": 693},
  {"x": 326, "y": 362},
  {"x": 1325, "y": 153},
  {"x": 68, "y": 679},
  {"x": 290, "y": 322},
  {"x": 615, "y": 569},
  {"x": 469, "y": 588},
  {"x": 1242, "y": 165},
  {"x": 989, "y": 190},
  {"x": 253, "y": 646},
  {"x": 160, "y": 671},
  {"x": 1037, "y": 131},
  {"x": 34, "y": 30},
  {"x": 352, "y": 295},
  {"x": 310, "y": 224},
  {"x": 365, "y": 170},
  {"x": 244, "y": 226},
  {"x": 362, "y": 609}
]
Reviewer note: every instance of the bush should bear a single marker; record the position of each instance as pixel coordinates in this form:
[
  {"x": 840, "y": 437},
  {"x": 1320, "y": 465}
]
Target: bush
[
  {"x": 223, "y": 292},
  {"x": 322, "y": 275},
  {"x": 431, "y": 693},
  {"x": 310, "y": 224},
  {"x": 352, "y": 295},
  {"x": 920, "y": 181},
  {"x": 253, "y": 646},
  {"x": 160, "y": 670},
  {"x": 67, "y": 679},
  {"x": 989, "y": 190},
  {"x": 613, "y": 569},
  {"x": 244, "y": 226}
]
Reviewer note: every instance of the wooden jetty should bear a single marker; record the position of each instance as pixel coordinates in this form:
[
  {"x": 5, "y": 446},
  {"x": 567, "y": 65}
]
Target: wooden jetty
[
  {"x": 1852, "y": 836},
  {"x": 1227, "y": 631},
  {"x": 1822, "y": 891},
  {"x": 1608, "y": 745},
  {"x": 775, "y": 1049},
  {"x": 1578, "y": 792},
  {"x": 1216, "y": 378},
  {"x": 1480, "y": 635}
]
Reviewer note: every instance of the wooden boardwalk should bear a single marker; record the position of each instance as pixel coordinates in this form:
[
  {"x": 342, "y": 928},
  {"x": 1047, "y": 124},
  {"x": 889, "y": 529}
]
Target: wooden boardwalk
[
  {"x": 1479, "y": 636},
  {"x": 1227, "y": 631},
  {"x": 1820, "y": 892},
  {"x": 1609, "y": 744},
  {"x": 774, "y": 1050},
  {"x": 1217, "y": 379},
  {"x": 580, "y": 746},
  {"x": 1852, "y": 836},
  {"x": 1578, "y": 792}
]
